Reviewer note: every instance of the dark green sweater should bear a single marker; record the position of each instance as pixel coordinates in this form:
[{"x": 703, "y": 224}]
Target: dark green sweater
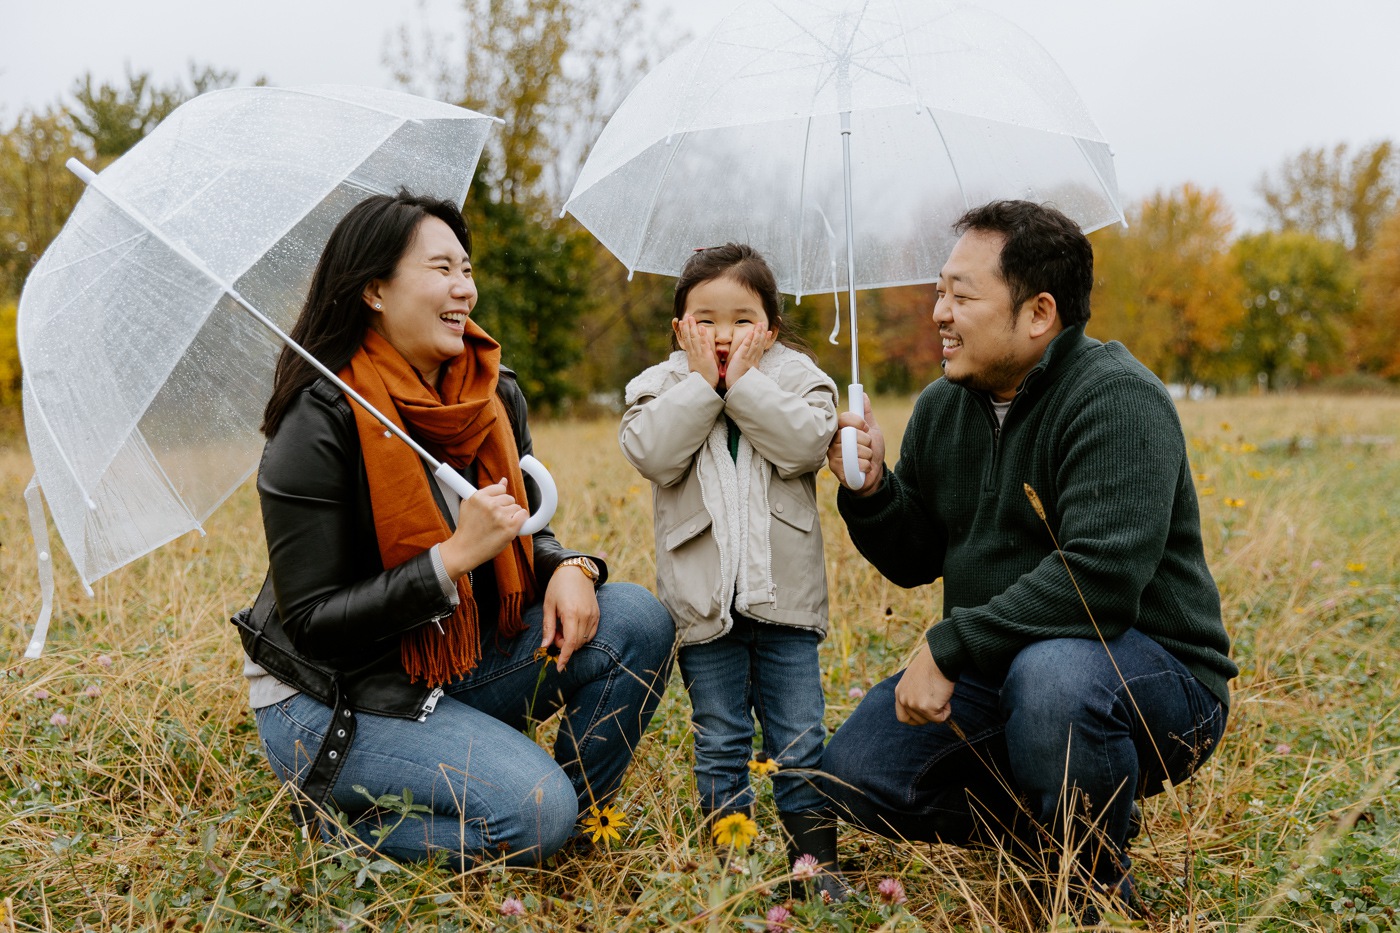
[{"x": 1096, "y": 435}]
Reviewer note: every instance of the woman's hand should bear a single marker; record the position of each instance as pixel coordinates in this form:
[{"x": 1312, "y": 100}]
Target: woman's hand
[
  {"x": 570, "y": 612},
  {"x": 486, "y": 524},
  {"x": 745, "y": 354},
  {"x": 699, "y": 346}
]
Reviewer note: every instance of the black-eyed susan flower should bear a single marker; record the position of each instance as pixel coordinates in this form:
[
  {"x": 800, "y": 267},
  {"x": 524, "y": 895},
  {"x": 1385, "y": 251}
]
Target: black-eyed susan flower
[
  {"x": 762, "y": 765},
  {"x": 735, "y": 830},
  {"x": 603, "y": 825}
]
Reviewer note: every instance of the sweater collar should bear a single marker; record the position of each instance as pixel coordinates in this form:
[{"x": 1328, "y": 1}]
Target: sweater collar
[{"x": 1067, "y": 345}]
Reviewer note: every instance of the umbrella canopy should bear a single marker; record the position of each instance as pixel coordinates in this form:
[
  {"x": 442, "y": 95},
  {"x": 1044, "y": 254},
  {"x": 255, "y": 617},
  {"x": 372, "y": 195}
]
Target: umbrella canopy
[
  {"x": 144, "y": 381},
  {"x": 738, "y": 136}
]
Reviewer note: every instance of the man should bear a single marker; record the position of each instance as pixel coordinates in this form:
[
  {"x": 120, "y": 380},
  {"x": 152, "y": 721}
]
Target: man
[{"x": 1081, "y": 659}]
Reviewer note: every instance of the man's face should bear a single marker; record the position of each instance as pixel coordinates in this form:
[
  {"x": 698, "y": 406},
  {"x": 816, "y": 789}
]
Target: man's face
[{"x": 985, "y": 346}]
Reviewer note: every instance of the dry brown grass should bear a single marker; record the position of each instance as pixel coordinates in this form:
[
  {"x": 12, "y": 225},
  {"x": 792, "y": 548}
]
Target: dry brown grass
[{"x": 152, "y": 807}]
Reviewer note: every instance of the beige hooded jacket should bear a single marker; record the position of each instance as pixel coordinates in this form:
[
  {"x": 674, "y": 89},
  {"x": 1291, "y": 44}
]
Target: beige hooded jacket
[{"x": 743, "y": 531}]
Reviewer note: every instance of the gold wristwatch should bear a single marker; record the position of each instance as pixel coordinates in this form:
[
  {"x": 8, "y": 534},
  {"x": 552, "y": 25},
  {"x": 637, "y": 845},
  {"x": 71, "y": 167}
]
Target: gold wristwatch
[{"x": 585, "y": 564}]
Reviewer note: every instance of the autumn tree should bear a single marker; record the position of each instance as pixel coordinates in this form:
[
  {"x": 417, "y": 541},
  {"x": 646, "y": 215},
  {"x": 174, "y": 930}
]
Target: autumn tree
[
  {"x": 1375, "y": 346},
  {"x": 1299, "y": 295},
  {"x": 1335, "y": 194},
  {"x": 554, "y": 70},
  {"x": 115, "y": 117},
  {"x": 36, "y": 191},
  {"x": 1165, "y": 288}
]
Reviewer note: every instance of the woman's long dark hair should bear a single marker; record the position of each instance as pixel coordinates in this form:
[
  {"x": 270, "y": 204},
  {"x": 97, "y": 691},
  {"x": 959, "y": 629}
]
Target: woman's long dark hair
[{"x": 367, "y": 244}]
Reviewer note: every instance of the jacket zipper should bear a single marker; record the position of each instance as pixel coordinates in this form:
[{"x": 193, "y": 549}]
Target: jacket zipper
[{"x": 430, "y": 703}]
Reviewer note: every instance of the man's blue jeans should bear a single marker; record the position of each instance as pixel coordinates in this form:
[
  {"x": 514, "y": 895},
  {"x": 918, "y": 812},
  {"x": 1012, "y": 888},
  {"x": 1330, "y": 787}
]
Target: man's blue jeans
[
  {"x": 492, "y": 791},
  {"x": 1063, "y": 717},
  {"x": 757, "y": 669}
]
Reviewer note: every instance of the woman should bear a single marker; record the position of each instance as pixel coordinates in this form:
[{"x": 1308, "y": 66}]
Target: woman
[{"x": 399, "y": 640}]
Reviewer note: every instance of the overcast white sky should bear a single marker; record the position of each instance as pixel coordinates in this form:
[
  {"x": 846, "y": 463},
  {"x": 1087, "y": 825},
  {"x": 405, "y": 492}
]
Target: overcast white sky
[{"x": 1210, "y": 91}]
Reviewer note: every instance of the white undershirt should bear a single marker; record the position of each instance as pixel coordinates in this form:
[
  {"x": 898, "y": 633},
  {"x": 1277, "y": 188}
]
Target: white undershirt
[{"x": 1000, "y": 408}]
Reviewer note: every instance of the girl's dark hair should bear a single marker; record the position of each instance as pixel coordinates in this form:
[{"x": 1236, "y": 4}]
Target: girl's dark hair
[
  {"x": 745, "y": 265},
  {"x": 367, "y": 244}
]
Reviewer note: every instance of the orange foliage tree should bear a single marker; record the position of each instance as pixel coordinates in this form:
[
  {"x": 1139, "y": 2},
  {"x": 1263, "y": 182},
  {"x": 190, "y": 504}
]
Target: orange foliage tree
[
  {"x": 1164, "y": 286},
  {"x": 1375, "y": 347}
]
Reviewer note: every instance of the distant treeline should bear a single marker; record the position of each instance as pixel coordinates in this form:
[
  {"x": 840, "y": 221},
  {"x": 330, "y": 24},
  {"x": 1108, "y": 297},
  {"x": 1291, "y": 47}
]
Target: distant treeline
[{"x": 1314, "y": 299}]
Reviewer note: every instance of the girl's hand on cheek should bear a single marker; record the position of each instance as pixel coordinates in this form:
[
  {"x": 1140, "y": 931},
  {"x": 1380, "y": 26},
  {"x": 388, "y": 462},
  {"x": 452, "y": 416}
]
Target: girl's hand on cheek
[
  {"x": 699, "y": 347},
  {"x": 745, "y": 355}
]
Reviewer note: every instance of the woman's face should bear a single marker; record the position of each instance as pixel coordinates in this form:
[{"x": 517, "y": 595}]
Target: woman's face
[{"x": 423, "y": 309}]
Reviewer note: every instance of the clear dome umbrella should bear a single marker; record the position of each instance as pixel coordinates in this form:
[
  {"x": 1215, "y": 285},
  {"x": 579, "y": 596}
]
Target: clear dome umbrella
[
  {"x": 881, "y": 119},
  {"x": 150, "y": 328}
]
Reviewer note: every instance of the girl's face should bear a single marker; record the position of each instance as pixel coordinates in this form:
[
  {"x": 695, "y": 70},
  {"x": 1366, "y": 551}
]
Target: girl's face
[
  {"x": 727, "y": 310},
  {"x": 422, "y": 311}
]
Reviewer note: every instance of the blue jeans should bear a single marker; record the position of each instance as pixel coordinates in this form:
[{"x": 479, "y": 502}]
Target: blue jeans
[
  {"x": 756, "y": 670},
  {"x": 492, "y": 791},
  {"x": 1061, "y": 717}
]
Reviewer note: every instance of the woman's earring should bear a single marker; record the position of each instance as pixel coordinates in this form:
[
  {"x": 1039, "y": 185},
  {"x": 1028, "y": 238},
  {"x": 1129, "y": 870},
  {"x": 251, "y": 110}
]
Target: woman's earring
[{"x": 378, "y": 306}]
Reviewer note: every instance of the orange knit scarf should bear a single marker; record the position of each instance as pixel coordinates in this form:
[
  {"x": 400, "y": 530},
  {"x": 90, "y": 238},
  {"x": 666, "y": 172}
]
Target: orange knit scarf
[{"x": 461, "y": 422}]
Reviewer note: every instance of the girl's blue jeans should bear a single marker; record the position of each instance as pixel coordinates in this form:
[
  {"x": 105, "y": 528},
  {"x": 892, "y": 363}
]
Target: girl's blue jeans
[
  {"x": 1065, "y": 741},
  {"x": 756, "y": 671},
  {"x": 492, "y": 792}
]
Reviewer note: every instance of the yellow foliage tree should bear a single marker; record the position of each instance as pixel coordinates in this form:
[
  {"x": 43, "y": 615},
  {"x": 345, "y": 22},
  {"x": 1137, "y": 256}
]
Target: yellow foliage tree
[
  {"x": 1375, "y": 347},
  {"x": 9, "y": 355},
  {"x": 1164, "y": 286},
  {"x": 36, "y": 191}
]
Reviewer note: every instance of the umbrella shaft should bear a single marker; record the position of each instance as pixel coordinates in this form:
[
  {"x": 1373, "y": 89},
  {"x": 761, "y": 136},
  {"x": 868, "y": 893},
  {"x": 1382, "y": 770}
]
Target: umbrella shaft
[{"x": 850, "y": 245}]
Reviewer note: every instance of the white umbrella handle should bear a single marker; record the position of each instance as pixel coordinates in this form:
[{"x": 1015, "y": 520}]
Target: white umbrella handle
[
  {"x": 850, "y": 460},
  {"x": 549, "y": 493}
]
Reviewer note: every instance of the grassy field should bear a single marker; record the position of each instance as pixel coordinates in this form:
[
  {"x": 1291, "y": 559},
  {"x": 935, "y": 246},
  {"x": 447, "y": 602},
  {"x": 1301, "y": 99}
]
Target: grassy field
[{"x": 133, "y": 794}]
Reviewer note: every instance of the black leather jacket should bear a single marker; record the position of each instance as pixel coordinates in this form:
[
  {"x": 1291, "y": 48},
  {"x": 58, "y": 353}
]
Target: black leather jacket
[{"x": 329, "y": 616}]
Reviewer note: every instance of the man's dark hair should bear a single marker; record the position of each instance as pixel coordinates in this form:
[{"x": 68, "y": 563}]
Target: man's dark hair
[{"x": 1043, "y": 251}]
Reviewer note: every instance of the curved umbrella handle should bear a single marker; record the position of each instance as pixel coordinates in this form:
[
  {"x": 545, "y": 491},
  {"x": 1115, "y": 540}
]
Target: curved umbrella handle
[
  {"x": 850, "y": 460},
  {"x": 549, "y": 493}
]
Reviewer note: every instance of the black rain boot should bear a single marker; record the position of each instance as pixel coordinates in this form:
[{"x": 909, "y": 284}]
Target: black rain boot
[{"x": 814, "y": 834}]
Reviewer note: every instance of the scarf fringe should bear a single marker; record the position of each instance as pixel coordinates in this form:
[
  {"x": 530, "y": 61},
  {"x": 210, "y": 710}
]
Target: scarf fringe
[{"x": 440, "y": 657}]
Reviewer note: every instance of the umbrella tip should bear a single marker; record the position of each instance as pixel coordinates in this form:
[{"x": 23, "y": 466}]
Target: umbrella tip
[
  {"x": 629, "y": 275},
  {"x": 85, "y": 174}
]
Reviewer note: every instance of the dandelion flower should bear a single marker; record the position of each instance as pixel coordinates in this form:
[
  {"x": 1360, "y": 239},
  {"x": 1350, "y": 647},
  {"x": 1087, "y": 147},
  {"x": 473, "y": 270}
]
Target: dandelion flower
[
  {"x": 892, "y": 891},
  {"x": 735, "y": 830},
  {"x": 777, "y": 918},
  {"x": 604, "y": 824},
  {"x": 512, "y": 907},
  {"x": 806, "y": 868},
  {"x": 58, "y": 719},
  {"x": 762, "y": 765}
]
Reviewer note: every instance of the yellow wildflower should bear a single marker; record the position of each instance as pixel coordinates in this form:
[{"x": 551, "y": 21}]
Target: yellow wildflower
[
  {"x": 1235, "y": 503},
  {"x": 604, "y": 824},
  {"x": 762, "y": 765},
  {"x": 1248, "y": 448},
  {"x": 1355, "y": 566},
  {"x": 735, "y": 830},
  {"x": 1207, "y": 490}
]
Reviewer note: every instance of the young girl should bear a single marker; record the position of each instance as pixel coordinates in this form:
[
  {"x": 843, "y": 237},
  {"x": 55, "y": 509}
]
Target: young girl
[{"x": 731, "y": 430}]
